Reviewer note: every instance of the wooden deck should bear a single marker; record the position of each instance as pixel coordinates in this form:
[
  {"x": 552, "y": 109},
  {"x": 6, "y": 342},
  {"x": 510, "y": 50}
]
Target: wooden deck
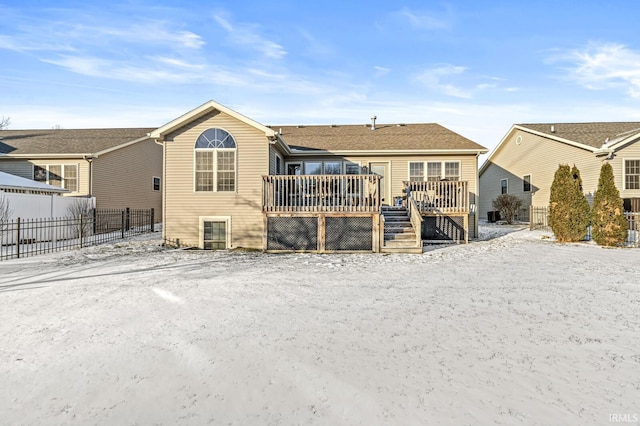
[
  {"x": 321, "y": 193},
  {"x": 440, "y": 197},
  {"x": 338, "y": 213}
]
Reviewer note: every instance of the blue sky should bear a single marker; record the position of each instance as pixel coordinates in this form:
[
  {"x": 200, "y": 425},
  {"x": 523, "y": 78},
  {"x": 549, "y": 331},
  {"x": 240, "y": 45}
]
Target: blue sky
[{"x": 474, "y": 67}]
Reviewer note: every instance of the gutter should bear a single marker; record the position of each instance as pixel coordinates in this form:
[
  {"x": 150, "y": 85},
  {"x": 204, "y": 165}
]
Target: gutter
[{"x": 308, "y": 153}]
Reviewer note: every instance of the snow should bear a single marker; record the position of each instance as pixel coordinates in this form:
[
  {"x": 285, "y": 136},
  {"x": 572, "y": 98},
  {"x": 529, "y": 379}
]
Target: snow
[{"x": 512, "y": 329}]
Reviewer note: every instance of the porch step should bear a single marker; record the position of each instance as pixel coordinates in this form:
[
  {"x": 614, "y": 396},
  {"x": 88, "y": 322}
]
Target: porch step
[{"x": 399, "y": 236}]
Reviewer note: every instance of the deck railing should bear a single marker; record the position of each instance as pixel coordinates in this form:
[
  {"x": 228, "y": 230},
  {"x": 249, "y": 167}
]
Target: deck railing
[
  {"x": 436, "y": 197},
  {"x": 321, "y": 193}
]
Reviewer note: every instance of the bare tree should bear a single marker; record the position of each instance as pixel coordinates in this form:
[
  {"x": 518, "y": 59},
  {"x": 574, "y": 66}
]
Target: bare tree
[
  {"x": 5, "y": 214},
  {"x": 82, "y": 209},
  {"x": 4, "y": 122}
]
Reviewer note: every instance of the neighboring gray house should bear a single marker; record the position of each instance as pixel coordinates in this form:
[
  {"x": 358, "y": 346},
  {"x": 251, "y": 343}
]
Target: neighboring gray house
[{"x": 526, "y": 159}]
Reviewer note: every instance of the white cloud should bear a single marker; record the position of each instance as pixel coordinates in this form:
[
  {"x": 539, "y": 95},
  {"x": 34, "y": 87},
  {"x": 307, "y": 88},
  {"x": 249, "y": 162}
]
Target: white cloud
[
  {"x": 172, "y": 72},
  {"x": 423, "y": 21},
  {"x": 434, "y": 79},
  {"x": 604, "y": 65},
  {"x": 248, "y": 36},
  {"x": 380, "y": 71},
  {"x": 178, "y": 63}
]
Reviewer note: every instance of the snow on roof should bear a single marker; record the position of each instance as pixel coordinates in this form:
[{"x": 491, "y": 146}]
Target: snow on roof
[{"x": 9, "y": 181}]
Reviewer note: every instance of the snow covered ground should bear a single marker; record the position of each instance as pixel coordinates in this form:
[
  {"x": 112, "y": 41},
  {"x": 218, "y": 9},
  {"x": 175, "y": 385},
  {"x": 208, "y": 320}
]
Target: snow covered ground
[{"x": 512, "y": 329}]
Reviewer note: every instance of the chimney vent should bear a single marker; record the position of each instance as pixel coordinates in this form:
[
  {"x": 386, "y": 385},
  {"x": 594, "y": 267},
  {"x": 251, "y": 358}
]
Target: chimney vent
[
  {"x": 373, "y": 122},
  {"x": 553, "y": 128}
]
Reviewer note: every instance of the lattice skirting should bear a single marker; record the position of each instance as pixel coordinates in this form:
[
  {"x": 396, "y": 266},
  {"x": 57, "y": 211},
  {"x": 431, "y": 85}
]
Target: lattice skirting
[
  {"x": 319, "y": 233},
  {"x": 348, "y": 233}
]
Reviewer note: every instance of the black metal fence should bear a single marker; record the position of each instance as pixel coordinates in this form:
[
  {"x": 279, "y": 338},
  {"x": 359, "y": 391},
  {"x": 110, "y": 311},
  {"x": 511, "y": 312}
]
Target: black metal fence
[
  {"x": 539, "y": 219},
  {"x": 30, "y": 237}
]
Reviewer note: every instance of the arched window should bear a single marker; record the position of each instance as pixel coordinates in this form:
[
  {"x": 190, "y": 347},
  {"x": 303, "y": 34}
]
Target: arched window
[{"x": 215, "y": 161}]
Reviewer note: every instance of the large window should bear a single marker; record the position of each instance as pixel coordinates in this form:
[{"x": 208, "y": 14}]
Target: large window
[
  {"x": 313, "y": 167},
  {"x": 323, "y": 168},
  {"x": 416, "y": 172},
  {"x": 332, "y": 167},
  {"x": 632, "y": 174},
  {"x": 215, "y": 162},
  {"x": 452, "y": 170},
  {"x": 435, "y": 171},
  {"x": 62, "y": 176}
]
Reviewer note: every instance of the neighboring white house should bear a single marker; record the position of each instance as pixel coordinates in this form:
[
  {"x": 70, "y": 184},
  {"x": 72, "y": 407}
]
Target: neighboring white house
[{"x": 26, "y": 198}]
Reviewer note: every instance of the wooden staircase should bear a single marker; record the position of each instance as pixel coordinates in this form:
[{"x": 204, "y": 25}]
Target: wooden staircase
[{"x": 399, "y": 235}]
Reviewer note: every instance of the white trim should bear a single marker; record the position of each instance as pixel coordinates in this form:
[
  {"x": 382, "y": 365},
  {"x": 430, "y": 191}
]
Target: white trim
[
  {"x": 63, "y": 181},
  {"x": 343, "y": 165},
  {"x": 387, "y": 177},
  {"x": 202, "y": 110},
  {"x": 153, "y": 183},
  {"x": 203, "y": 219},
  {"x": 215, "y": 164},
  {"x": 384, "y": 152},
  {"x": 424, "y": 168},
  {"x": 615, "y": 145},
  {"x": 624, "y": 174}
]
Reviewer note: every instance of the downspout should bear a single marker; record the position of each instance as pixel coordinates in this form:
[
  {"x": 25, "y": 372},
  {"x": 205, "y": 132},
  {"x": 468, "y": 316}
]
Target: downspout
[
  {"x": 476, "y": 215},
  {"x": 89, "y": 160},
  {"x": 163, "y": 187}
]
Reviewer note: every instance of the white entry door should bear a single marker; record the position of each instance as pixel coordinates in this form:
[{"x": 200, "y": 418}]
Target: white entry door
[{"x": 382, "y": 170}]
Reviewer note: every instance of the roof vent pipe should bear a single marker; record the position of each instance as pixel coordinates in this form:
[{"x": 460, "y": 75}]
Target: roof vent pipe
[
  {"x": 553, "y": 128},
  {"x": 373, "y": 122}
]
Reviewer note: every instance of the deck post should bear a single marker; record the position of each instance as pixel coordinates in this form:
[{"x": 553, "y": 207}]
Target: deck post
[
  {"x": 377, "y": 233},
  {"x": 322, "y": 232}
]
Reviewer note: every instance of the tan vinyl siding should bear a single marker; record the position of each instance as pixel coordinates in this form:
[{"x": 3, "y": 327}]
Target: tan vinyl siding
[
  {"x": 124, "y": 177},
  {"x": 184, "y": 206},
  {"x": 540, "y": 158},
  {"x": 399, "y": 170},
  {"x": 629, "y": 152}
]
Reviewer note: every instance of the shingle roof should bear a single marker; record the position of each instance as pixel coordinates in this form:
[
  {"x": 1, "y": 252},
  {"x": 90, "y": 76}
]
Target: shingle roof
[
  {"x": 385, "y": 137},
  {"x": 591, "y": 134},
  {"x": 66, "y": 141}
]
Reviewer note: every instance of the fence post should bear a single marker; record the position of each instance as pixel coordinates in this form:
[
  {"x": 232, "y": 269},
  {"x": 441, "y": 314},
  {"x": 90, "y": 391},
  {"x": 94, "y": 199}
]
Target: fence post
[
  {"x": 18, "y": 240},
  {"x": 95, "y": 220},
  {"x": 80, "y": 224},
  {"x": 531, "y": 218},
  {"x": 152, "y": 220},
  {"x": 128, "y": 222}
]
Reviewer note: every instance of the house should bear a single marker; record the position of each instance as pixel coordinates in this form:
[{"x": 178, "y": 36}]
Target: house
[
  {"x": 26, "y": 198},
  {"x": 119, "y": 167},
  {"x": 526, "y": 159},
  {"x": 232, "y": 182}
]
